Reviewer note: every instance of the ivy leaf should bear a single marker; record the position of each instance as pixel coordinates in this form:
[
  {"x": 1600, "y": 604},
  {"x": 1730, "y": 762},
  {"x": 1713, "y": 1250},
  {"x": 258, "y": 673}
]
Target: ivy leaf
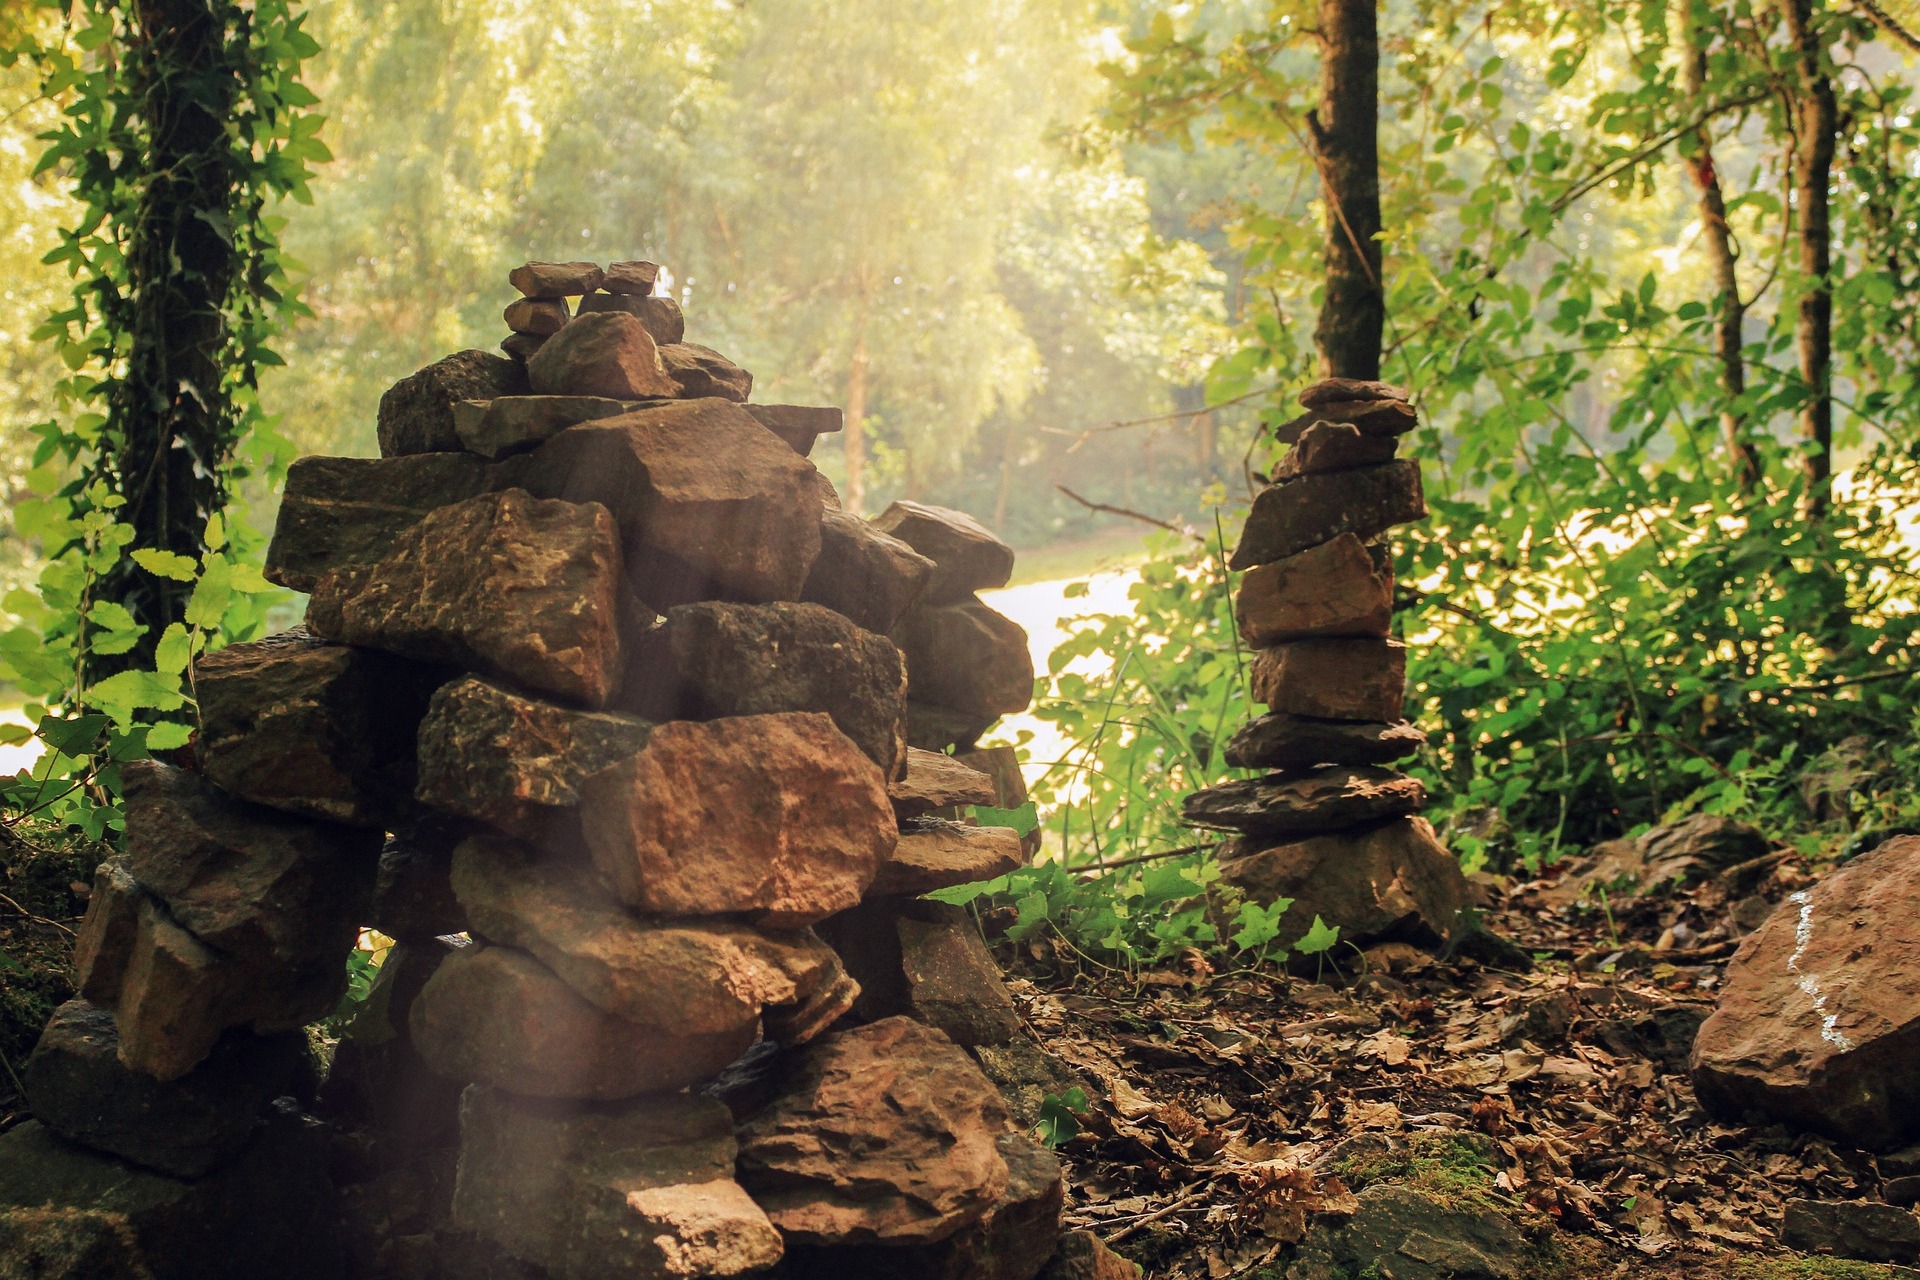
[
  {"x": 167, "y": 564},
  {"x": 1321, "y": 938}
]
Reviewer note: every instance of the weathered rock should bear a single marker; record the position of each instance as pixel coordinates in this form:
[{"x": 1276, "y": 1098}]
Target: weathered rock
[
  {"x": 497, "y": 1016},
  {"x": 1376, "y": 420},
  {"x": 319, "y": 729},
  {"x": 606, "y": 353},
  {"x": 1286, "y": 804},
  {"x": 643, "y": 1191},
  {"x": 513, "y": 762},
  {"x": 495, "y": 428},
  {"x": 936, "y": 780},
  {"x": 924, "y": 960},
  {"x": 701, "y": 371},
  {"x": 780, "y": 817},
  {"x": 710, "y": 505},
  {"x": 1280, "y": 741},
  {"x": 1331, "y": 679},
  {"x": 557, "y": 279},
  {"x": 967, "y": 556},
  {"x": 799, "y": 425},
  {"x": 413, "y": 897},
  {"x": 1330, "y": 391},
  {"x": 716, "y": 659},
  {"x": 1392, "y": 883},
  {"x": 662, "y": 316},
  {"x": 704, "y": 976},
  {"x": 521, "y": 346},
  {"x": 106, "y": 937},
  {"x": 1335, "y": 589},
  {"x": 631, "y": 277},
  {"x": 1304, "y": 512},
  {"x": 1082, "y": 1255},
  {"x": 966, "y": 658},
  {"x": 416, "y": 413},
  {"x": 337, "y": 512},
  {"x": 885, "y": 1134},
  {"x": 864, "y": 574},
  {"x": 1858, "y": 1229},
  {"x": 1689, "y": 851},
  {"x": 1819, "y": 1017},
  {"x": 542, "y": 317},
  {"x": 504, "y": 584},
  {"x": 77, "y": 1086},
  {"x": 1325, "y": 446},
  {"x": 74, "y": 1214},
  {"x": 170, "y": 993},
  {"x": 1411, "y": 1234},
  {"x": 936, "y": 854}
]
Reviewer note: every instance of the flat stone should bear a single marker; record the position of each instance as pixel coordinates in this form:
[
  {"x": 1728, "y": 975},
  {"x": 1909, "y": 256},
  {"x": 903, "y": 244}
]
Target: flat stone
[
  {"x": 556, "y": 279},
  {"x": 864, "y": 574},
  {"x": 1281, "y": 741},
  {"x": 606, "y": 353},
  {"x": 779, "y": 817},
  {"x": 1329, "y": 391},
  {"x": 416, "y": 413},
  {"x": 1336, "y": 589},
  {"x": 701, "y": 371},
  {"x": 641, "y": 1191},
  {"x": 498, "y": 1017},
  {"x": 631, "y": 278},
  {"x": 542, "y": 317},
  {"x": 413, "y": 898},
  {"x": 1380, "y": 420},
  {"x": 662, "y": 316},
  {"x": 936, "y": 780},
  {"x": 1857, "y": 1229},
  {"x": 77, "y": 1086},
  {"x": 1304, "y": 512},
  {"x": 513, "y": 762},
  {"x": 520, "y": 347},
  {"x": 967, "y": 556},
  {"x": 495, "y": 428},
  {"x": 1289, "y": 804},
  {"x": 1332, "y": 679},
  {"x": 1392, "y": 883},
  {"x": 1325, "y": 446},
  {"x": 1082, "y": 1255},
  {"x": 710, "y": 505},
  {"x": 505, "y": 584},
  {"x": 885, "y": 1134},
  {"x": 1818, "y": 1023},
  {"x": 337, "y": 512},
  {"x": 708, "y": 976},
  {"x": 1002, "y": 764},
  {"x": 314, "y": 728},
  {"x": 966, "y": 658},
  {"x": 717, "y": 659},
  {"x": 934, "y": 854},
  {"x": 799, "y": 425}
]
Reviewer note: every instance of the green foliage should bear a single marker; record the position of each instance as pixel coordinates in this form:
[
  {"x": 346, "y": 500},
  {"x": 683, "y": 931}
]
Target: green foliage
[
  {"x": 1450, "y": 1166},
  {"x": 1060, "y": 1116}
]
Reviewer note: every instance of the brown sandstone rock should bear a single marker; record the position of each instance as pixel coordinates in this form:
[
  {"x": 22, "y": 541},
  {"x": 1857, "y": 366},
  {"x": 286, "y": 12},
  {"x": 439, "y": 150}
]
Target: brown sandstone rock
[
  {"x": 701, "y": 372},
  {"x": 312, "y": 728},
  {"x": 337, "y": 512},
  {"x": 106, "y": 938},
  {"x": 1284, "y": 804},
  {"x": 494, "y": 428},
  {"x": 715, "y": 659},
  {"x": 1304, "y": 512},
  {"x": 1002, "y": 764},
  {"x": 640, "y": 1191},
  {"x": 925, "y": 960},
  {"x": 607, "y": 353},
  {"x": 936, "y": 780},
  {"x": 885, "y": 1134},
  {"x": 780, "y": 817},
  {"x": 661, "y": 316},
  {"x": 710, "y": 505},
  {"x": 865, "y": 574},
  {"x": 934, "y": 854},
  {"x": 1333, "y": 679},
  {"x": 966, "y": 658},
  {"x": 1329, "y": 391},
  {"x": 497, "y": 1016},
  {"x": 1281, "y": 741},
  {"x": 513, "y": 762},
  {"x": 416, "y": 413},
  {"x": 631, "y": 278},
  {"x": 521, "y": 346},
  {"x": 1084, "y": 1256},
  {"x": 1335, "y": 589},
  {"x": 542, "y": 317},
  {"x": 1381, "y": 420},
  {"x": 505, "y": 584},
  {"x": 1818, "y": 1023},
  {"x": 967, "y": 556},
  {"x": 556, "y": 279},
  {"x": 799, "y": 425},
  {"x": 1391, "y": 883},
  {"x": 1325, "y": 446}
]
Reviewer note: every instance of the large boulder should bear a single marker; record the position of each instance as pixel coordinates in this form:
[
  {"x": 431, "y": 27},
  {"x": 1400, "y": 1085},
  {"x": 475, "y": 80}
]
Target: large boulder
[
  {"x": 1281, "y": 741},
  {"x": 1391, "y": 883},
  {"x": 884, "y": 1134},
  {"x": 416, "y": 413},
  {"x": 710, "y": 504},
  {"x": 505, "y": 584},
  {"x": 607, "y": 353},
  {"x": 864, "y": 574},
  {"x": 1338, "y": 588},
  {"x": 1304, "y": 512},
  {"x": 1818, "y": 1023},
  {"x": 336, "y": 512},
  {"x": 716, "y": 659},
  {"x": 778, "y": 817},
  {"x": 1332, "y": 679},
  {"x": 966, "y": 658},
  {"x": 1284, "y": 804},
  {"x": 967, "y": 556}
]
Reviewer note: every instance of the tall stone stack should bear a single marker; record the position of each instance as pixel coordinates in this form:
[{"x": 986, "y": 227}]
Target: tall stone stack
[
  {"x": 601, "y": 711},
  {"x": 1329, "y": 824}
]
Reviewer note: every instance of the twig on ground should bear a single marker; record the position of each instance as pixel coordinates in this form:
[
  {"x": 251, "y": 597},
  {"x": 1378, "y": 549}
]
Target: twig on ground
[
  {"x": 1148, "y": 1219},
  {"x": 32, "y": 918}
]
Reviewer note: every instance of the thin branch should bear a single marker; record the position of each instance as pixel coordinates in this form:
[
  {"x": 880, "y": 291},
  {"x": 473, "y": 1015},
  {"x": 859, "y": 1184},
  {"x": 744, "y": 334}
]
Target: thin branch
[{"x": 1091, "y": 505}]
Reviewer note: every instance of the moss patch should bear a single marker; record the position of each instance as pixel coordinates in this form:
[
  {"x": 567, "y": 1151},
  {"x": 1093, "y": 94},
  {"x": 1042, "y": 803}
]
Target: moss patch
[
  {"x": 1814, "y": 1269},
  {"x": 1451, "y": 1166}
]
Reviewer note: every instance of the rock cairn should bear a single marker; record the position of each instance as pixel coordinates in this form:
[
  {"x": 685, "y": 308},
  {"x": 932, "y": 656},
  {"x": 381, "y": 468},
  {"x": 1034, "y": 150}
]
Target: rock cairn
[
  {"x": 602, "y": 711},
  {"x": 1330, "y": 825}
]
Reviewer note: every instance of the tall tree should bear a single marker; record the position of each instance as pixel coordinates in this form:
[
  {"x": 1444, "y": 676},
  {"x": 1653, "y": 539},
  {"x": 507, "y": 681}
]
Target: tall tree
[
  {"x": 1817, "y": 118},
  {"x": 1347, "y": 149}
]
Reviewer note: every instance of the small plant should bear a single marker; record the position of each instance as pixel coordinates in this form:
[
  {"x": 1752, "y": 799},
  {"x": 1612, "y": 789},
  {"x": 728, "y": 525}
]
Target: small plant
[{"x": 1060, "y": 1116}]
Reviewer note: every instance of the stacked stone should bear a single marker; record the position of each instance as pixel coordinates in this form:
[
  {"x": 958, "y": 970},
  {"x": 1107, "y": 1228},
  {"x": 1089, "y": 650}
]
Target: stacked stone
[
  {"x": 1329, "y": 825},
  {"x": 600, "y": 711}
]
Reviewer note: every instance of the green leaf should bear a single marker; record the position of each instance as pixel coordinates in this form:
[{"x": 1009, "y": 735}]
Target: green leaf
[
  {"x": 167, "y": 564},
  {"x": 1258, "y": 926},
  {"x": 1320, "y": 938},
  {"x": 168, "y": 735},
  {"x": 1060, "y": 1116},
  {"x": 174, "y": 651},
  {"x": 1025, "y": 819},
  {"x": 121, "y": 693}
]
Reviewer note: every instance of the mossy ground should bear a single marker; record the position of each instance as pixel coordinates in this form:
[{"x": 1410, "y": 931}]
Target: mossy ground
[{"x": 44, "y": 875}]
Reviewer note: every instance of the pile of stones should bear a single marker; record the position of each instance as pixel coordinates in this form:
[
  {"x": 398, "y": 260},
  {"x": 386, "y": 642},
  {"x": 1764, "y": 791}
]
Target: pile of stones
[
  {"x": 1329, "y": 825},
  {"x": 642, "y": 752}
]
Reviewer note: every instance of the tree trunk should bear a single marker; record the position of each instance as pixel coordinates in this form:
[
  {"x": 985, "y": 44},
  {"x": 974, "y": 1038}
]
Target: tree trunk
[
  {"x": 1818, "y": 118},
  {"x": 853, "y": 442},
  {"x": 1346, "y": 139},
  {"x": 1731, "y": 310}
]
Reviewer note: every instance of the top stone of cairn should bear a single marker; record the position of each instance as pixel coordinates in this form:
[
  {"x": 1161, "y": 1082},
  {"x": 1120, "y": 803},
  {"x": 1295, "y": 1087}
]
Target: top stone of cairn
[
  {"x": 556, "y": 279},
  {"x": 1349, "y": 391}
]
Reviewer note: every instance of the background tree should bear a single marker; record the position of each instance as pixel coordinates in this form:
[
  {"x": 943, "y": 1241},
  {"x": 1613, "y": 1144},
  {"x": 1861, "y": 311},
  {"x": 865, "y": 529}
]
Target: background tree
[{"x": 1346, "y": 146}]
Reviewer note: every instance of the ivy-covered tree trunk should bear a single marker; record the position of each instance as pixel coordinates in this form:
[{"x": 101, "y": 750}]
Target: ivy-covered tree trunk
[
  {"x": 1347, "y": 144},
  {"x": 1818, "y": 120}
]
